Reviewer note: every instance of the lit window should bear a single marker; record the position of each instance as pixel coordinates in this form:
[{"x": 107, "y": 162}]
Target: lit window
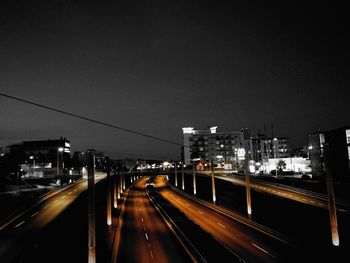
[{"x": 347, "y": 136}]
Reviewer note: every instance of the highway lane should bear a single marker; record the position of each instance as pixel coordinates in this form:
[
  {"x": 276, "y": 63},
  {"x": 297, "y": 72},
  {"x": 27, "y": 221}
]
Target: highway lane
[
  {"x": 144, "y": 235},
  {"x": 292, "y": 193},
  {"x": 250, "y": 245},
  {"x": 18, "y": 231}
]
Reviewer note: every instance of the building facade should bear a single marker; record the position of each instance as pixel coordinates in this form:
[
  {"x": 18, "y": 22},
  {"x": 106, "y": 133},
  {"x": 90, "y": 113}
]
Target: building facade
[
  {"x": 337, "y": 144},
  {"x": 43, "y": 158},
  {"x": 206, "y": 145}
]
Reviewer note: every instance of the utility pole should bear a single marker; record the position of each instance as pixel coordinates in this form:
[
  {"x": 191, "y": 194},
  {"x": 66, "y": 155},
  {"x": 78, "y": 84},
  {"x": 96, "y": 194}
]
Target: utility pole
[
  {"x": 212, "y": 180},
  {"x": 109, "y": 201},
  {"x": 91, "y": 209},
  {"x": 247, "y": 182},
  {"x": 331, "y": 197}
]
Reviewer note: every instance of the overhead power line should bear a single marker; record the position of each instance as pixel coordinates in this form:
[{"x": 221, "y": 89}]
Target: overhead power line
[{"x": 91, "y": 120}]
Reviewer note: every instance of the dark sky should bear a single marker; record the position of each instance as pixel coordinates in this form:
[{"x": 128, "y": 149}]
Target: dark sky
[{"x": 156, "y": 66}]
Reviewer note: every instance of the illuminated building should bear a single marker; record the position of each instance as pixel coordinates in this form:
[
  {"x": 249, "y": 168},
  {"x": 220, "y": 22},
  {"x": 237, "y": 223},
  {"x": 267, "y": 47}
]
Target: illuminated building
[{"x": 209, "y": 144}]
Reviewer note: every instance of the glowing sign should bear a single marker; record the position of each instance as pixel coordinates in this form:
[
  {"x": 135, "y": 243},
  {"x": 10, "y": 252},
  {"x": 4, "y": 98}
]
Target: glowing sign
[
  {"x": 213, "y": 129},
  {"x": 241, "y": 153},
  {"x": 188, "y": 130}
]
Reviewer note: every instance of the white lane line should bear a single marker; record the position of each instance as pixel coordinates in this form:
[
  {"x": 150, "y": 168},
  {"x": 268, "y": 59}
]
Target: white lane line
[
  {"x": 320, "y": 204},
  {"x": 151, "y": 253},
  {"x": 19, "y": 224},
  {"x": 221, "y": 225},
  {"x": 200, "y": 212},
  {"x": 138, "y": 203},
  {"x": 46, "y": 206},
  {"x": 63, "y": 196},
  {"x": 75, "y": 190},
  {"x": 263, "y": 250},
  {"x": 146, "y": 236},
  {"x": 142, "y": 219},
  {"x": 55, "y": 201},
  {"x": 70, "y": 193},
  {"x": 187, "y": 204},
  {"x": 139, "y": 209},
  {"x": 34, "y": 214}
]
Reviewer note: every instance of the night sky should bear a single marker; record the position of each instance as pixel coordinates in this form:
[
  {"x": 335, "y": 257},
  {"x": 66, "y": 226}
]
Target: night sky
[{"x": 157, "y": 66}]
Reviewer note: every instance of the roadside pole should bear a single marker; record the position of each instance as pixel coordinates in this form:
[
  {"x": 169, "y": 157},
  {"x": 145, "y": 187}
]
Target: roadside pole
[
  {"x": 109, "y": 201},
  {"x": 183, "y": 176},
  {"x": 331, "y": 198},
  {"x": 247, "y": 183},
  {"x": 213, "y": 180},
  {"x": 91, "y": 209},
  {"x": 115, "y": 203},
  {"x": 194, "y": 178},
  {"x": 175, "y": 174}
]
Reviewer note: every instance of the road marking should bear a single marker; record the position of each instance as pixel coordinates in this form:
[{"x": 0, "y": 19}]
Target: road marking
[
  {"x": 142, "y": 219},
  {"x": 34, "y": 214},
  {"x": 262, "y": 250},
  {"x": 146, "y": 236},
  {"x": 63, "y": 196},
  {"x": 55, "y": 201},
  {"x": 139, "y": 209},
  {"x": 221, "y": 225},
  {"x": 46, "y": 206},
  {"x": 187, "y": 204},
  {"x": 321, "y": 204},
  {"x": 70, "y": 193},
  {"x": 138, "y": 203},
  {"x": 19, "y": 224},
  {"x": 151, "y": 253},
  {"x": 200, "y": 212},
  {"x": 75, "y": 190}
]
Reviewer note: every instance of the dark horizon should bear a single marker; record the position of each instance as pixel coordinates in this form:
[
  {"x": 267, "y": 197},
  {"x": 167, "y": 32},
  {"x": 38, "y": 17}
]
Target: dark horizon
[{"x": 157, "y": 66}]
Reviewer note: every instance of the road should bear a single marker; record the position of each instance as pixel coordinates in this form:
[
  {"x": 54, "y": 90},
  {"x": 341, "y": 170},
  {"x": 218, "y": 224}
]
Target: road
[
  {"x": 288, "y": 192},
  {"x": 247, "y": 243},
  {"x": 18, "y": 231},
  {"x": 144, "y": 236}
]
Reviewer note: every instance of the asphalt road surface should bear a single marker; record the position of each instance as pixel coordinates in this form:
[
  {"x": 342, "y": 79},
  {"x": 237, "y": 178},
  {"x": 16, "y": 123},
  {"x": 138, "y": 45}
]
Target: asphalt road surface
[{"x": 144, "y": 236}]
